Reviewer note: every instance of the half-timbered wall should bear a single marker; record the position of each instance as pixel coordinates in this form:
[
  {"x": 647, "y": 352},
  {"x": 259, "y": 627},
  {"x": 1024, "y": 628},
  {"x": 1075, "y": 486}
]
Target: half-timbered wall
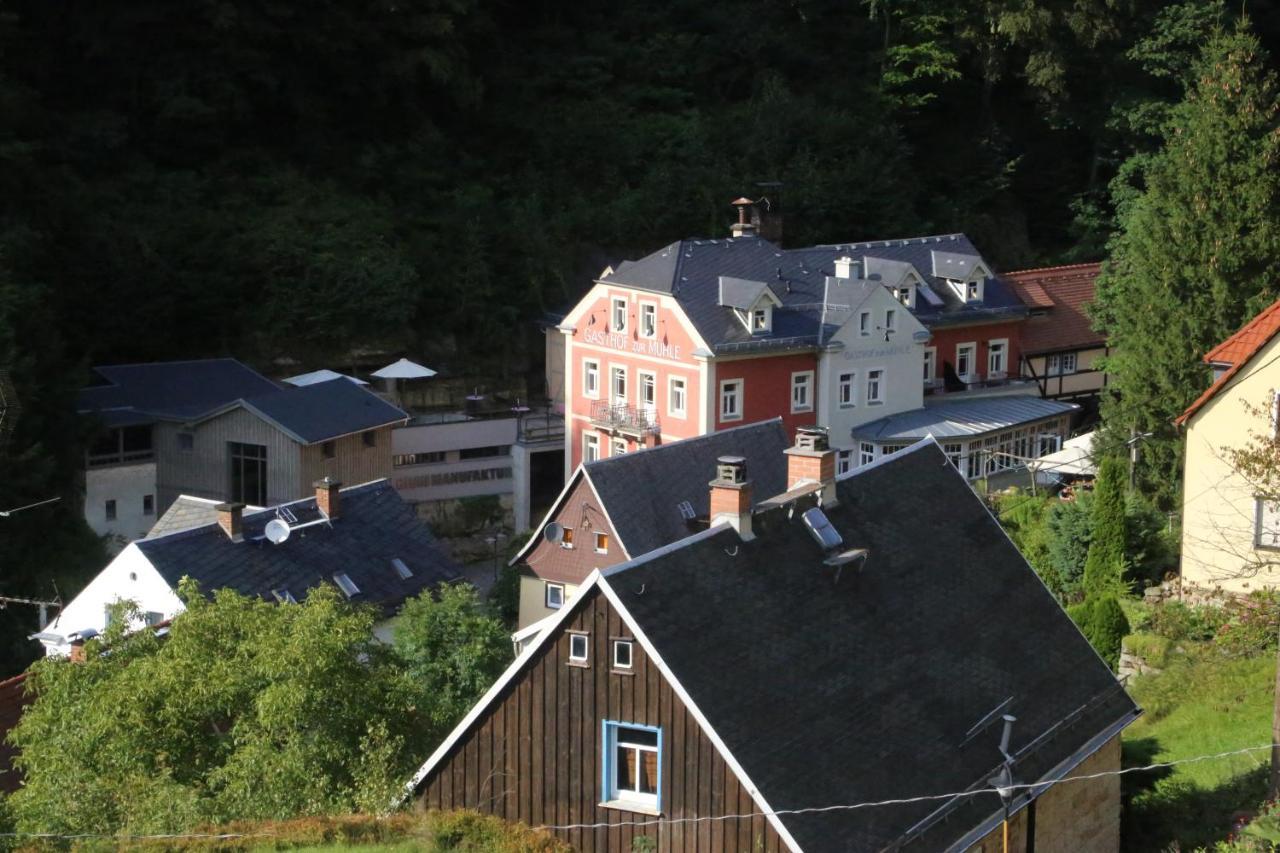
[{"x": 534, "y": 755}]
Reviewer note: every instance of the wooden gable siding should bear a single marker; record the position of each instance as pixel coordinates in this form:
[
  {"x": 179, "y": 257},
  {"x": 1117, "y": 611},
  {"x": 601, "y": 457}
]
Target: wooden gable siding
[
  {"x": 534, "y": 755},
  {"x": 551, "y": 562}
]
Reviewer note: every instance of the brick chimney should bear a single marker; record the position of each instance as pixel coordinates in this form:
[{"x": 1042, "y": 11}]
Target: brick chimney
[
  {"x": 731, "y": 495},
  {"x": 76, "y": 653},
  {"x": 328, "y": 497},
  {"x": 230, "y": 519},
  {"x": 812, "y": 460},
  {"x": 746, "y": 224}
]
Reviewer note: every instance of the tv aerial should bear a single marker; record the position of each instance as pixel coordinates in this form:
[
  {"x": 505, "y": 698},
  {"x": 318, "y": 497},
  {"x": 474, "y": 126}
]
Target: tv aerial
[
  {"x": 277, "y": 531},
  {"x": 553, "y": 532}
]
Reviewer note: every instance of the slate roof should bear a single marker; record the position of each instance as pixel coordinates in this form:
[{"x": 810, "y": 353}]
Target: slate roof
[
  {"x": 374, "y": 525},
  {"x": 962, "y": 418},
  {"x": 170, "y": 390},
  {"x": 867, "y": 687},
  {"x": 324, "y": 410},
  {"x": 187, "y": 512},
  {"x": 1236, "y": 351},
  {"x": 642, "y": 491},
  {"x": 1063, "y": 293},
  {"x": 691, "y": 271}
]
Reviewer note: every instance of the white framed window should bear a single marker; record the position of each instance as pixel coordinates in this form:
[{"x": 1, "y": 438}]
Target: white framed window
[
  {"x": 802, "y": 391},
  {"x": 602, "y": 543},
  {"x": 1266, "y": 525},
  {"x": 617, "y": 446},
  {"x": 965, "y": 354},
  {"x": 930, "y": 363},
  {"x": 590, "y": 447},
  {"x": 632, "y": 765},
  {"x": 622, "y": 654},
  {"x": 844, "y": 461},
  {"x": 866, "y": 453},
  {"x": 1061, "y": 363},
  {"x": 677, "y": 396},
  {"x": 954, "y": 452},
  {"x": 648, "y": 385},
  {"x": 847, "y": 390},
  {"x": 618, "y": 314},
  {"x": 906, "y": 295},
  {"x": 864, "y": 323},
  {"x": 973, "y": 291},
  {"x": 618, "y": 385},
  {"x": 891, "y": 320},
  {"x": 997, "y": 358},
  {"x": 579, "y": 648},
  {"x": 554, "y": 595},
  {"x": 875, "y": 386},
  {"x": 591, "y": 378},
  {"x": 731, "y": 400},
  {"x": 648, "y": 319},
  {"x": 566, "y": 538},
  {"x": 1047, "y": 443},
  {"x": 759, "y": 320}
]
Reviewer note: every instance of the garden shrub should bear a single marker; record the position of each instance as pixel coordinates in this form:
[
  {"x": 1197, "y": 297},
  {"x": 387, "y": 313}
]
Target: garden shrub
[
  {"x": 1252, "y": 626},
  {"x": 1103, "y": 623},
  {"x": 1178, "y": 621}
]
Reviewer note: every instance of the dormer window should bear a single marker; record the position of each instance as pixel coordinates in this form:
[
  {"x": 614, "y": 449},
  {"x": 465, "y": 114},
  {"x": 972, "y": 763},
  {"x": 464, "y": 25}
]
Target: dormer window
[
  {"x": 759, "y": 320},
  {"x": 973, "y": 292},
  {"x": 907, "y": 296}
]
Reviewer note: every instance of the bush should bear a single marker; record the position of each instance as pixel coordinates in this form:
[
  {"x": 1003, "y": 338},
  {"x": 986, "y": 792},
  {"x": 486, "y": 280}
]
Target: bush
[
  {"x": 1104, "y": 564},
  {"x": 1068, "y": 528},
  {"x": 1177, "y": 621},
  {"x": 1152, "y": 648},
  {"x": 1252, "y": 626},
  {"x": 1103, "y": 623}
]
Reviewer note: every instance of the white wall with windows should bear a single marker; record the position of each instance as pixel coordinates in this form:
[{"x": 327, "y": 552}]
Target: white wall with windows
[
  {"x": 119, "y": 501},
  {"x": 872, "y": 367},
  {"x": 981, "y": 456}
]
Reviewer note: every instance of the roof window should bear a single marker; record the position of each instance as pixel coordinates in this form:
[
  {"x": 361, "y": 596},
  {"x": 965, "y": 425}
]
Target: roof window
[
  {"x": 284, "y": 596},
  {"x": 821, "y": 529},
  {"x": 346, "y": 584},
  {"x": 401, "y": 569}
]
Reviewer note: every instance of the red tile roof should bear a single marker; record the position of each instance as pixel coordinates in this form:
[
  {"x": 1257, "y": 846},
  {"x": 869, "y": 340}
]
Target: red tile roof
[
  {"x": 13, "y": 701},
  {"x": 1236, "y": 351},
  {"x": 1064, "y": 292}
]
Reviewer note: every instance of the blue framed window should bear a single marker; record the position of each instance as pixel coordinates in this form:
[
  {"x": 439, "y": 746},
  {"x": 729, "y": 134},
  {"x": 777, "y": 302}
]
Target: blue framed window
[{"x": 631, "y": 768}]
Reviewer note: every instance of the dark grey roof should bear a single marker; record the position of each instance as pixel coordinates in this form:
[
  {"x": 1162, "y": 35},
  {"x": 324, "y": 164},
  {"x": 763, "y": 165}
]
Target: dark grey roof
[
  {"x": 867, "y": 687},
  {"x": 963, "y": 418},
  {"x": 324, "y": 410},
  {"x": 955, "y": 266},
  {"x": 740, "y": 293},
  {"x": 691, "y": 271},
  {"x": 642, "y": 491},
  {"x": 374, "y": 525},
  {"x": 183, "y": 514},
  {"x": 170, "y": 390}
]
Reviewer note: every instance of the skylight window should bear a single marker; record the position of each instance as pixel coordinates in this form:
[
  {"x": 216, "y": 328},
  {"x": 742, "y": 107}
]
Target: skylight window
[
  {"x": 821, "y": 529},
  {"x": 686, "y": 510},
  {"x": 401, "y": 569},
  {"x": 346, "y": 584},
  {"x": 284, "y": 596}
]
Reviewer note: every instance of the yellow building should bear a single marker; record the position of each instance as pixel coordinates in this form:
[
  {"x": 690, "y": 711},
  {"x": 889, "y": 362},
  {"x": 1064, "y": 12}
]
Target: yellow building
[{"x": 1230, "y": 538}]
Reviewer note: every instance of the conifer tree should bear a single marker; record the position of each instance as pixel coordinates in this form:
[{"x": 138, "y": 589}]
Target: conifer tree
[
  {"x": 1104, "y": 567},
  {"x": 1198, "y": 251}
]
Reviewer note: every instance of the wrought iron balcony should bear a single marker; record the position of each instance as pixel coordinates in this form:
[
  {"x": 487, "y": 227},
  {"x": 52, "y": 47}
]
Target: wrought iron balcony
[{"x": 624, "y": 418}]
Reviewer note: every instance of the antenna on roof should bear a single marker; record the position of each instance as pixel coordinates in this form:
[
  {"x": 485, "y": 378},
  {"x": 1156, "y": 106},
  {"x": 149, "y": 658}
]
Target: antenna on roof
[{"x": 277, "y": 531}]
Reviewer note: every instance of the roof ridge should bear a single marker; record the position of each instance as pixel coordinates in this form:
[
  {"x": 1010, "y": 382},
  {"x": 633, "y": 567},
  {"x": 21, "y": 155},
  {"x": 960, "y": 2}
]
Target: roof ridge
[
  {"x": 870, "y": 244},
  {"x": 663, "y": 550},
  {"x": 595, "y": 464},
  {"x": 1054, "y": 268},
  {"x": 231, "y": 358}
]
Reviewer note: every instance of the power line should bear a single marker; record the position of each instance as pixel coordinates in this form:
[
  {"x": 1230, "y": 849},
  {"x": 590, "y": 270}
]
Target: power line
[
  {"x": 908, "y": 800},
  {"x": 5, "y": 513}
]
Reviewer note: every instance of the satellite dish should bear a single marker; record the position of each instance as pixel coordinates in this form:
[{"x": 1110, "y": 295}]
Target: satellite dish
[
  {"x": 277, "y": 531},
  {"x": 553, "y": 532}
]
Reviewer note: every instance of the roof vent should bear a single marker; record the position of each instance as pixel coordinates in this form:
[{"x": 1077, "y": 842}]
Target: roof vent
[
  {"x": 820, "y": 527},
  {"x": 812, "y": 438},
  {"x": 731, "y": 469}
]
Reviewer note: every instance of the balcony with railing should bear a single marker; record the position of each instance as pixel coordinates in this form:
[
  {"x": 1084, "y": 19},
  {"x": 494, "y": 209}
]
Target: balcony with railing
[
  {"x": 621, "y": 417},
  {"x": 541, "y": 427}
]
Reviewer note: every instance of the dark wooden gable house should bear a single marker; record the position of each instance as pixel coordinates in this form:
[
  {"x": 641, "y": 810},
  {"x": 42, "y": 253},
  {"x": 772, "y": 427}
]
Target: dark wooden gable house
[{"x": 712, "y": 693}]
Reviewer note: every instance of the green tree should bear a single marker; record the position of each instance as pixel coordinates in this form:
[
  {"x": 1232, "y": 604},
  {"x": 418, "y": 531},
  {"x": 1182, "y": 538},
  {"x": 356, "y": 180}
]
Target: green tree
[
  {"x": 1198, "y": 250},
  {"x": 1104, "y": 565},
  {"x": 247, "y": 709},
  {"x": 1104, "y": 625},
  {"x": 452, "y": 648}
]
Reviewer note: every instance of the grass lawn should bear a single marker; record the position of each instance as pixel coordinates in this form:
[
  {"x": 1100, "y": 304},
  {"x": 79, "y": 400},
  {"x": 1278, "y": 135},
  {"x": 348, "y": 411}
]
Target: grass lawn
[{"x": 1198, "y": 705}]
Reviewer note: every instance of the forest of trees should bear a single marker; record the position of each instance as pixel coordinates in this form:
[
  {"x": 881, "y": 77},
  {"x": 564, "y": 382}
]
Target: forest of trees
[{"x": 292, "y": 180}]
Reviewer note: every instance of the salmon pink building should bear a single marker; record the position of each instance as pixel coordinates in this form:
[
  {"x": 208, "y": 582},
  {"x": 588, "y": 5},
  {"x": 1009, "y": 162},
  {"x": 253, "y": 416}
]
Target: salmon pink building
[{"x": 880, "y": 342}]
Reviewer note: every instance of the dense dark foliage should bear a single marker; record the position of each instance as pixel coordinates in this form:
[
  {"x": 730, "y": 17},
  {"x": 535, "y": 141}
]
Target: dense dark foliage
[{"x": 286, "y": 179}]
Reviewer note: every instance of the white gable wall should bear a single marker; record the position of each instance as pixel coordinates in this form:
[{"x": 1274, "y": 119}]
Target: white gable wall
[{"x": 130, "y": 576}]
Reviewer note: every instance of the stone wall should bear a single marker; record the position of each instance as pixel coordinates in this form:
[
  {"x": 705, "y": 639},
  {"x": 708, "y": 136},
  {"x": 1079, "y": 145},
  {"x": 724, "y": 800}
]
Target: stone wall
[{"x": 1071, "y": 816}]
